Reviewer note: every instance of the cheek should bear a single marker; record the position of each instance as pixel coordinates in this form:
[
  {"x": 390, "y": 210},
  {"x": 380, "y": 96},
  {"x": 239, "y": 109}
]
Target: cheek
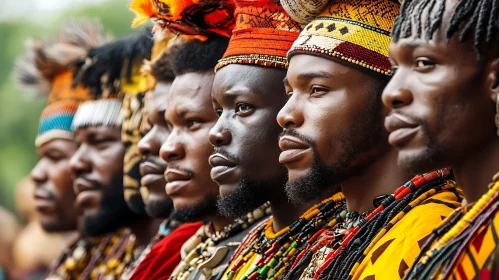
[{"x": 62, "y": 180}]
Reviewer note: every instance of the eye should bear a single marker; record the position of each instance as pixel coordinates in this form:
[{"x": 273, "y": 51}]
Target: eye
[
  {"x": 288, "y": 93},
  {"x": 218, "y": 112},
  {"x": 424, "y": 63},
  {"x": 316, "y": 90},
  {"x": 193, "y": 123},
  {"x": 55, "y": 157},
  {"x": 243, "y": 108}
]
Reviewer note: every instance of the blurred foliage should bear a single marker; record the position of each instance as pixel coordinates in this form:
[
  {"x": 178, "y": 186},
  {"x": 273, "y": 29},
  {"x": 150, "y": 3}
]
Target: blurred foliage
[{"x": 19, "y": 113}]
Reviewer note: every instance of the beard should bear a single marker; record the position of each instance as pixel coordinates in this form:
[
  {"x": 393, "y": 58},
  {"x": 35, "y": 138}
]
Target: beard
[
  {"x": 113, "y": 213},
  {"x": 159, "y": 208},
  {"x": 196, "y": 213},
  {"x": 246, "y": 197},
  {"x": 357, "y": 145}
]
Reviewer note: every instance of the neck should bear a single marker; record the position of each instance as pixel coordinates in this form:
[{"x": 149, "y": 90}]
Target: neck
[
  {"x": 145, "y": 230},
  {"x": 285, "y": 213},
  {"x": 382, "y": 176},
  {"x": 219, "y": 222},
  {"x": 475, "y": 171}
]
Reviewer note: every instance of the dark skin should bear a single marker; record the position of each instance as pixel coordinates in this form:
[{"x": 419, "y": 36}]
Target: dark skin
[
  {"x": 153, "y": 167},
  {"x": 443, "y": 102},
  {"x": 97, "y": 165},
  {"x": 189, "y": 114},
  {"x": 326, "y": 103},
  {"x": 247, "y": 99},
  {"x": 54, "y": 196}
]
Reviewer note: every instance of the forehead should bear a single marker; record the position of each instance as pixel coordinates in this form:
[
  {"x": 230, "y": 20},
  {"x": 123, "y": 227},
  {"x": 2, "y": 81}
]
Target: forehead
[
  {"x": 190, "y": 89},
  {"x": 239, "y": 78},
  {"x": 57, "y": 144},
  {"x": 159, "y": 96},
  {"x": 97, "y": 130},
  {"x": 304, "y": 67}
]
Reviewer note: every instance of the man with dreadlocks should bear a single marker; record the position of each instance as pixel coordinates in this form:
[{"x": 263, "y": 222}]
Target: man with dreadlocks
[
  {"x": 446, "y": 61},
  {"x": 97, "y": 165},
  {"x": 333, "y": 135},
  {"x": 46, "y": 68}
]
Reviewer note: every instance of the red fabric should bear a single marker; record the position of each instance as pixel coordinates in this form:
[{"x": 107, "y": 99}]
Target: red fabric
[{"x": 165, "y": 255}]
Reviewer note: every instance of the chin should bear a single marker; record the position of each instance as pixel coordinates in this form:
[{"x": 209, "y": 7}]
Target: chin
[
  {"x": 296, "y": 174},
  {"x": 54, "y": 227},
  {"x": 227, "y": 189},
  {"x": 418, "y": 161}
]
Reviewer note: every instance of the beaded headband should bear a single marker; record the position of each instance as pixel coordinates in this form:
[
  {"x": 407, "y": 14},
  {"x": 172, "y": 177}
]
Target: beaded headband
[
  {"x": 103, "y": 112},
  {"x": 263, "y": 34},
  {"x": 354, "y": 31},
  {"x": 189, "y": 17}
]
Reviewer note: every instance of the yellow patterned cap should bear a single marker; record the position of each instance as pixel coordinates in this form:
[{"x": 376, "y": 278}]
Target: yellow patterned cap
[{"x": 355, "y": 31}]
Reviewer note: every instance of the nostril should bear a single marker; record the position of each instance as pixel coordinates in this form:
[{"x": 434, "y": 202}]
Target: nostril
[
  {"x": 397, "y": 103},
  {"x": 172, "y": 156},
  {"x": 219, "y": 142}
]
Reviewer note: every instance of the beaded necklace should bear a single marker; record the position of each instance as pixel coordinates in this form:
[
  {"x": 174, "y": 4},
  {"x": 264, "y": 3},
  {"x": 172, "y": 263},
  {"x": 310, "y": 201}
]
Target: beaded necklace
[
  {"x": 202, "y": 247},
  {"x": 96, "y": 258},
  {"x": 456, "y": 232},
  {"x": 410, "y": 187},
  {"x": 275, "y": 251}
]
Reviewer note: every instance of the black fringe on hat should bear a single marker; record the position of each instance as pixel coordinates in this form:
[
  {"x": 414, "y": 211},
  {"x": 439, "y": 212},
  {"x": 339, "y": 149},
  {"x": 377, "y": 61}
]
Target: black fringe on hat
[{"x": 102, "y": 68}]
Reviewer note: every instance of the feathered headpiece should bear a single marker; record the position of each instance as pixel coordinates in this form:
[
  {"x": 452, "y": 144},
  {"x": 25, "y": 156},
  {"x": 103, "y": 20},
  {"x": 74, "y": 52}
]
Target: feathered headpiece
[
  {"x": 197, "y": 18},
  {"x": 45, "y": 68}
]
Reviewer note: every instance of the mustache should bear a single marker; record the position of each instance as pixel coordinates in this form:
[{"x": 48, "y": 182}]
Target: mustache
[
  {"x": 94, "y": 182},
  {"x": 294, "y": 133},
  {"x": 155, "y": 160},
  {"x": 185, "y": 170},
  {"x": 226, "y": 154}
]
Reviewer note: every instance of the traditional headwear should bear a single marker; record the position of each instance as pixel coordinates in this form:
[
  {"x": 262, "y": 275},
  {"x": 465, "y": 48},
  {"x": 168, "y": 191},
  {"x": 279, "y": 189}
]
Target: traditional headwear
[
  {"x": 355, "y": 31},
  {"x": 46, "y": 68},
  {"x": 189, "y": 17},
  {"x": 107, "y": 71},
  {"x": 263, "y": 34},
  {"x": 113, "y": 73}
]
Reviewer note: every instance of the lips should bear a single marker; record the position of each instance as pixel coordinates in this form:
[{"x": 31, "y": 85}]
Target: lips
[
  {"x": 292, "y": 149},
  {"x": 221, "y": 166},
  {"x": 176, "y": 180},
  {"x": 402, "y": 129},
  {"x": 152, "y": 171},
  {"x": 44, "y": 203},
  {"x": 87, "y": 194}
]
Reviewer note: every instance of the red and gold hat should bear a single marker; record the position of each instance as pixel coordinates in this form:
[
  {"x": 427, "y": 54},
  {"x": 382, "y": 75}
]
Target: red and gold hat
[
  {"x": 354, "y": 31},
  {"x": 187, "y": 17},
  {"x": 263, "y": 34}
]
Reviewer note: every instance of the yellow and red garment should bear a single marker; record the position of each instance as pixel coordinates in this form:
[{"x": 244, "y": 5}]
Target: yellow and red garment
[{"x": 263, "y": 34}]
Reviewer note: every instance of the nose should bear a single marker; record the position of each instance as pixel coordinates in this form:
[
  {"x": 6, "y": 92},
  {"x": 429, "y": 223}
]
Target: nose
[
  {"x": 79, "y": 162},
  {"x": 171, "y": 150},
  {"x": 38, "y": 174},
  {"x": 149, "y": 144},
  {"x": 219, "y": 136},
  {"x": 396, "y": 94},
  {"x": 291, "y": 115}
]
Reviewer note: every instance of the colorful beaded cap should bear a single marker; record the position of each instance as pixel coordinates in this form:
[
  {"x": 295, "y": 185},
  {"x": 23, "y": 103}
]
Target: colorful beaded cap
[
  {"x": 189, "y": 17},
  {"x": 356, "y": 31},
  {"x": 46, "y": 69},
  {"x": 263, "y": 34}
]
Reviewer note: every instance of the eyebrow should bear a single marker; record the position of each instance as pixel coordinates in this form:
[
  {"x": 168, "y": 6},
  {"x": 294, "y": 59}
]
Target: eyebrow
[{"x": 313, "y": 75}]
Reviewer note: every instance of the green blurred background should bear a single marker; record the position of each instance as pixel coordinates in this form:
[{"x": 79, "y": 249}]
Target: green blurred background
[{"x": 19, "y": 112}]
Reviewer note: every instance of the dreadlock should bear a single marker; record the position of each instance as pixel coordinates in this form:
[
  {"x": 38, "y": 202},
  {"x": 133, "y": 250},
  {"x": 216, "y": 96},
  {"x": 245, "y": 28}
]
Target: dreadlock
[
  {"x": 479, "y": 18},
  {"x": 162, "y": 69},
  {"x": 341, "y": 266},
  {"x": 112, "y": 61}
]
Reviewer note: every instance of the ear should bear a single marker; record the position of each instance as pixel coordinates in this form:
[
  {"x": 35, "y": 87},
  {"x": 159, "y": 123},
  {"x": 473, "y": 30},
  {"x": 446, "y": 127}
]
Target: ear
[{"x": 493, "y": 79}]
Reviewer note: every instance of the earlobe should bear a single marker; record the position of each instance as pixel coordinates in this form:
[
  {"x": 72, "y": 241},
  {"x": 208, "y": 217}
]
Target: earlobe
[{"x": 494, "y": 80}]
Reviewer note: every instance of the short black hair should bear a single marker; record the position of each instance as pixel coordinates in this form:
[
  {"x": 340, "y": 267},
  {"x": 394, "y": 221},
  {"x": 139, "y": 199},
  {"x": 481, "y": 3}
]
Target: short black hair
[
  {"x": 162, "y": 69},
  {"x": 198, "y": 56},
  {"x": 479, "y": 18}
]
